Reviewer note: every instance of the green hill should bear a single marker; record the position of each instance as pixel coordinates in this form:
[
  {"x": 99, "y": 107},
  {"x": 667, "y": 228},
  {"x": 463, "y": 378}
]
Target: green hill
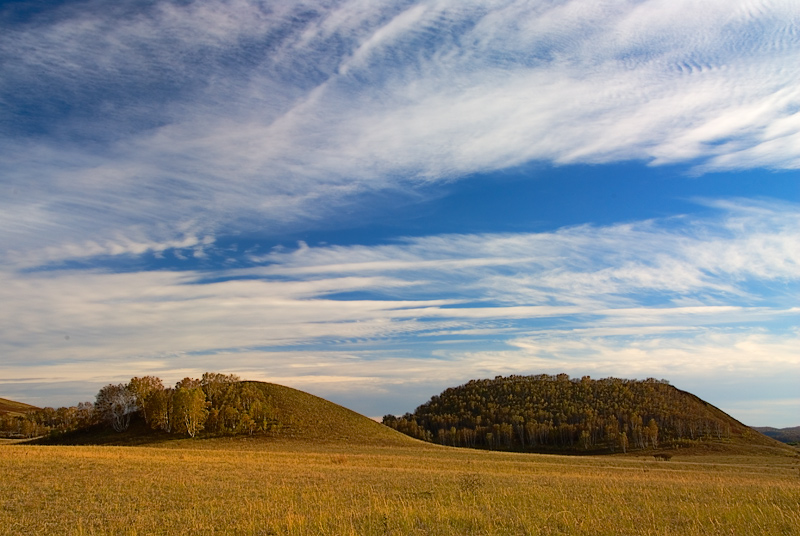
[
  {"x": 558, "y": 414},
  {"x": 10, "y": 407}
]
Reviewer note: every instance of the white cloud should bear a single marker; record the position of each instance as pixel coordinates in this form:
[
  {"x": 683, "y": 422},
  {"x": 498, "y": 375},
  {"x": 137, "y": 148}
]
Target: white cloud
[
  {"x": 280, "y": 114},
  {"x": 674, "y": 258},
  {"x": 584, "y": 300},
  {"x": 152, "y": 130}
]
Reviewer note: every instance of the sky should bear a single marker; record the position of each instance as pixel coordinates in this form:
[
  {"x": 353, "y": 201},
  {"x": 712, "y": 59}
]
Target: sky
[{"x": 374, "y": 201}]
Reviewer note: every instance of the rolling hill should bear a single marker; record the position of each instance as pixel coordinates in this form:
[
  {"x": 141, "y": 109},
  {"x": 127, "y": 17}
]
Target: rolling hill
[
  {"x": 10, "y": 407},
  {"x": 533, "y": 414},
  {"x": 297, "y": 416},
  {"x": 559, "y": 414},
  {"x": 306, "y": 417}
]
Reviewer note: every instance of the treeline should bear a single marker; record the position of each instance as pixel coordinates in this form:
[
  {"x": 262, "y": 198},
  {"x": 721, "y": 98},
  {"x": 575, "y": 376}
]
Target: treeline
[
  {"x": 39, "y": 422},
  {"x": 216, "y": 404},
  {"x": 555, "y": 412}
]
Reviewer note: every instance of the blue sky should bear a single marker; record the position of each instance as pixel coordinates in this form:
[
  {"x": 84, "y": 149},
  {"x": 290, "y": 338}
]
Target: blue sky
[{"x": 373, "y": 202}]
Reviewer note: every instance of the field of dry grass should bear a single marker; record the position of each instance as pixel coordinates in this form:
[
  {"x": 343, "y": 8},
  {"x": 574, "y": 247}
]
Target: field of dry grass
[{"x": 238, "y": 486}]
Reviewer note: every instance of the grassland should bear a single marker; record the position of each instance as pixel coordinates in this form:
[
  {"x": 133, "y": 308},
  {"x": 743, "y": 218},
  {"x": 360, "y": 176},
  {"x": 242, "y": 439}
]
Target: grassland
[
  {"x": 287, "y": 486},
  {"x": 328, "y": 470}
]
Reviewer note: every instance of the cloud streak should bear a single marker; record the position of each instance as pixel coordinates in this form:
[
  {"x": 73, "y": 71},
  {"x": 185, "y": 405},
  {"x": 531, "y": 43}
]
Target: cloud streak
[
  {"x": 282, "y": 113},
  {"x": 683, "y": 298}
]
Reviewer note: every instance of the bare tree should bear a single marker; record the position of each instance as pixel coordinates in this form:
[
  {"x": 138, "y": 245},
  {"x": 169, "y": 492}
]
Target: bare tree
[{"x": 116, "y": 404}]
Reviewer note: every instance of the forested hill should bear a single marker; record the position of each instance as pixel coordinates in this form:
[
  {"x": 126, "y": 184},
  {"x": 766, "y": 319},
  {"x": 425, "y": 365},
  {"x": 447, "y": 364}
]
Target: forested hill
[
  {"x": 216, "y": 405},
  {"x": 542, "y": 413}
]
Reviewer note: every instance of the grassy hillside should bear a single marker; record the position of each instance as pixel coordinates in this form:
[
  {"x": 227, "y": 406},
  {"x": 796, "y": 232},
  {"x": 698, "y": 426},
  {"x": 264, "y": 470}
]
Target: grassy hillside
[
  {"x": 307, "y": 417},
  {"x": 14, "y": 408}
]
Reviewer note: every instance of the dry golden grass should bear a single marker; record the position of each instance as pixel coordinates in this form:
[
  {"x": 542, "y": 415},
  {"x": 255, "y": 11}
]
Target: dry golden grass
[
  {"x": 296, "y": 487},
  {"x": 14, "y": 408}
]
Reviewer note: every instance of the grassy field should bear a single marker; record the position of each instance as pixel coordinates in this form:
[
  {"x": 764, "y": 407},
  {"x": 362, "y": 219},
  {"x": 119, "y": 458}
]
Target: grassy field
[{"x": 240, "y": 486}]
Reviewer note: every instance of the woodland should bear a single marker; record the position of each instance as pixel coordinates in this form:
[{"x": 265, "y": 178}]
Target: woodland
[
  {"x": 543, "y": 412},
  {"x": 539, "y": 413},
  {"x": 216, "y": 404}
]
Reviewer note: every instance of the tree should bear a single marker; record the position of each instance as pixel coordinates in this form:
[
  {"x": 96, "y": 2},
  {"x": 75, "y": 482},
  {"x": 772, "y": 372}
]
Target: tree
[
  {"x": 67, "y": 418},
  {"x": 261, "y": 414},
  {"x": 188, "y": 383},
  {"x": 612, "y": 431},
  {"x": 159, "y": 409},
  {"x": 230, "y": 419},
  {"x": 116, "y": 404},
  {"x": 585, "y": 439},
  {"x": 190, "y": 410},
  {"x": 217, "y": 387},
  {"x": 85, "y": 414},
  {"x": 248, "y": 424},
  {"x": 652, "y": 433},
  {"x": 143, "y": 388}
]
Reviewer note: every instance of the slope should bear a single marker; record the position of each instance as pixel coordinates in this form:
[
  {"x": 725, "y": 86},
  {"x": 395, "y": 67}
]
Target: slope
[
  {"x": 10, "y": 407},
  {"x": 306, "y": 417}
]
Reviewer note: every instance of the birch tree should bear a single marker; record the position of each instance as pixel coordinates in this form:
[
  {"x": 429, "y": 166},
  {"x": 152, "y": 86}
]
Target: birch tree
[
  {"x": 116, "y": 404},
  {"x": 190, "y": 409}
]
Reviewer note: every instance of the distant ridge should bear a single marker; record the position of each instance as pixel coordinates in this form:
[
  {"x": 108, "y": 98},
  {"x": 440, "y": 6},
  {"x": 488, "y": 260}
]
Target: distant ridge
[
  {"x": 784, "y": 435},
  {"x": 10, "y": 407}
]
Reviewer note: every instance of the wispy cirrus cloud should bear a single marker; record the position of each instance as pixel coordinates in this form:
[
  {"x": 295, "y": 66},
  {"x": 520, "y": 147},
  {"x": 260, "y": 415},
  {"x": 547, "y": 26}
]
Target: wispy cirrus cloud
[
  {"x": 675, "y": 257},
  {"x": 281, "y": 113}
]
